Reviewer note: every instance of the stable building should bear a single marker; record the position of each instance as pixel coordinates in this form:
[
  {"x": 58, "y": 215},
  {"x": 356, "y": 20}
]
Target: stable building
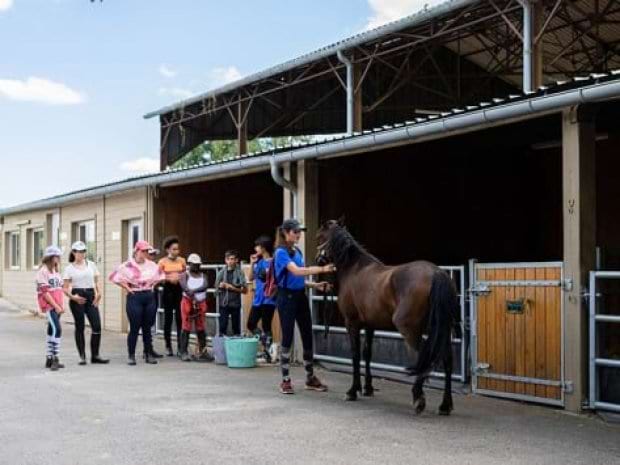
[{"x": 479, "y": 135}]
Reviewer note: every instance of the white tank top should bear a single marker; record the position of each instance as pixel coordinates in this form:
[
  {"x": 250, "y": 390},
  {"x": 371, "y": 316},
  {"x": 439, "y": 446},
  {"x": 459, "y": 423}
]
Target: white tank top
[{"x": 196, "y": 283}]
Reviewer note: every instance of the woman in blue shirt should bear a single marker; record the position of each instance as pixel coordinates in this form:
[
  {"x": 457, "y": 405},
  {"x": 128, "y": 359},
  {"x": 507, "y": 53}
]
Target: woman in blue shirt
[
  {"x": 290, "y": 272},
  {"x": 263, "y": 307}
]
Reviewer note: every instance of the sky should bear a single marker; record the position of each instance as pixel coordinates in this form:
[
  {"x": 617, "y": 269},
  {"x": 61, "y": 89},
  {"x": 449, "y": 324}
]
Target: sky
[{"x": 77, "y": 76}]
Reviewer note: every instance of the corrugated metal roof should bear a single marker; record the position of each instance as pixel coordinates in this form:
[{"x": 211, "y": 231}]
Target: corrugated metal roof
[
  {"x": 363, "y": 37},
  {"x": 193, "y": 172}
]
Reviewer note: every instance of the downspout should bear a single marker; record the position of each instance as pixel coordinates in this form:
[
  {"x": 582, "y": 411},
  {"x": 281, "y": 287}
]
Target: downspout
[
  {"x": 527, "y": 45},
  {"x": 277, "y": 177},
  {"x": 350, "y": 98}
]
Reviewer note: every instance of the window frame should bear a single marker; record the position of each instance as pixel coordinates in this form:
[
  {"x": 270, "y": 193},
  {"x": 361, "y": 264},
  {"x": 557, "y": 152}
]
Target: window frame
[
  {"x": 34, "y": 259},
  {"x": 91, "y": 253},
  {"x": 11, "y": 248}
]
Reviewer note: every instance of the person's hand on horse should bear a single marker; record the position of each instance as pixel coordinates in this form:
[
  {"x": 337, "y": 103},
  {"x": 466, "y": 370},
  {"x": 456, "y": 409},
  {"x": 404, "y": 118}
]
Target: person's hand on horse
[
  {"x": 324, "y": 286},
  {"x": 331, "y": 268}
]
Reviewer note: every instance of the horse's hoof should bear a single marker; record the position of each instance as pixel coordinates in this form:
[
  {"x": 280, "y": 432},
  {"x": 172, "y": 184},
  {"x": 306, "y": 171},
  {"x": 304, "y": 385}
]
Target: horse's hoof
[
  {"x": 419, "y": 405},
  {"x": 368, "y": 392},
  {"x": 350, "y": 397},
  {"x": 443, "y": 410}
]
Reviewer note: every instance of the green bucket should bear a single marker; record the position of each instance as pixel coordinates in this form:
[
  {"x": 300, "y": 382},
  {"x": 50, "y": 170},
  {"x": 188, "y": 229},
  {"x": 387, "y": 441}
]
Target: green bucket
[{"x": 241, "y": 352}]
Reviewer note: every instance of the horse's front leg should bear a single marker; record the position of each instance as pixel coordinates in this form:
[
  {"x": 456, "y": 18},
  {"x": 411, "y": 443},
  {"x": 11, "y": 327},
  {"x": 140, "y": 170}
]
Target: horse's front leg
[
  {"x": 368, "y": 389},
  {"x": 354, "y": 337}
]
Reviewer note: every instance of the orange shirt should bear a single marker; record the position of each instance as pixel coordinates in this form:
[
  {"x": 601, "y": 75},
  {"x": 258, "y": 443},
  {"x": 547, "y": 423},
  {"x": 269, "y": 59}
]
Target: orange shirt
[{"x": 172, "y": 268}]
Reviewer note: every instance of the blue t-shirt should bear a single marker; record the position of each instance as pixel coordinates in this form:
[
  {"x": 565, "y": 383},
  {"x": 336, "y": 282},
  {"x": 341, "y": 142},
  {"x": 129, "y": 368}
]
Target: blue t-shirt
[
  {"x": 286, "y": 279},
  {"x": 260, "y": 268}
]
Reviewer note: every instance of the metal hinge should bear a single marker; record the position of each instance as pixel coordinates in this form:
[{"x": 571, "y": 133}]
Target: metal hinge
[
  {"x": 480, "y": 290},
  {"x": 567, "y": 284},
  {"x": 568, "y": 387}
]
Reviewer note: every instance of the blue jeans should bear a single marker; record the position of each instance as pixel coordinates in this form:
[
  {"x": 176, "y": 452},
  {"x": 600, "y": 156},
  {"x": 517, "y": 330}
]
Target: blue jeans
[{"x": 141, "y": 309}]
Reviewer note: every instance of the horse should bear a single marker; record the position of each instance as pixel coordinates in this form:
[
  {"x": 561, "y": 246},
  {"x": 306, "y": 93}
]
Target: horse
[{"x": 414, "y": 298}]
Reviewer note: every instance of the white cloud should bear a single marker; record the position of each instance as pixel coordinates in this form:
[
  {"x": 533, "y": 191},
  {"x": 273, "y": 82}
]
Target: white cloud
[
  {"x": 384, "y": 11},
  {"x": 166, "y": 71},
  {"x": 141, "y": 165},
  {"x": 5, "y": 4},
  {"x": 221, "y": 76},
  {"x": 40, "y": 90},
  {"x": 176, "y": 92}
]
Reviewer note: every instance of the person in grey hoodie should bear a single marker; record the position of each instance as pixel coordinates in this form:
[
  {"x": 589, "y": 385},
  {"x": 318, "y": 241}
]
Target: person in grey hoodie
[{"x": 230, "y": 283}]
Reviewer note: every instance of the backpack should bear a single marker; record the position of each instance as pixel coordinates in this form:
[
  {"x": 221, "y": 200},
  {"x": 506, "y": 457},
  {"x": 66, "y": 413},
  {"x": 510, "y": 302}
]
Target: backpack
[{"x": 271, "y": 281}]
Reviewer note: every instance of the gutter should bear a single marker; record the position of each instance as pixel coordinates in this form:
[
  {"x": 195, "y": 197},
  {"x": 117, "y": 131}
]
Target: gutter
[{"x": 457, "y": 121}]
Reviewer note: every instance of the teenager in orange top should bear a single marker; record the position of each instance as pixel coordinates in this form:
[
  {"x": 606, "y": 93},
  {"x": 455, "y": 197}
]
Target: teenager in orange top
[{"x": 173, "y": 265}]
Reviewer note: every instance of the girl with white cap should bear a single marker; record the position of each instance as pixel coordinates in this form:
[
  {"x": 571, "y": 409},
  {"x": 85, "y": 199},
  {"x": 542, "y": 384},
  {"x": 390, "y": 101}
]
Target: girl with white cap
[
  {"x": 193, "y": 308},
  {"x": 137, "y": 277},
  {"x": 81, "y": 286},
  {"x": 51, "y": 302}
]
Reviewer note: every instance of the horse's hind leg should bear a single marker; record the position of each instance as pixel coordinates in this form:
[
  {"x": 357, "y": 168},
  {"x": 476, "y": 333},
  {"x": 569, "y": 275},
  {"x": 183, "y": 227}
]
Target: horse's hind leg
[
  {"x": 446, "y": 405},
  {"x": 419, "y": 399},
  {"x": 368, "y": 389},
  {"x": 354, "y": 337}
]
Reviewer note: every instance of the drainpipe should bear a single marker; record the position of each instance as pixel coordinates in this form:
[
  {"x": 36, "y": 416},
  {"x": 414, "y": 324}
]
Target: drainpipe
[
  {"x": 277, "y": 177},
  {"x": 527, "y": 45},
  {"x": 350, "y": 99}
]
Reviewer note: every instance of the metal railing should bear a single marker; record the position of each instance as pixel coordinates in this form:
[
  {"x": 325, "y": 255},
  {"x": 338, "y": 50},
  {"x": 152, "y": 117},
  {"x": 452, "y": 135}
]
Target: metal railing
[
  {"x": 596, "y": 360},
  {"x": 457, "y": 273}
]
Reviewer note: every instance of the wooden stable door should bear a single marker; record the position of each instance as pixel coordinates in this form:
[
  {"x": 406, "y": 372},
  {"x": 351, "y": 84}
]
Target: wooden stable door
[{"x": 518, "y": 331}]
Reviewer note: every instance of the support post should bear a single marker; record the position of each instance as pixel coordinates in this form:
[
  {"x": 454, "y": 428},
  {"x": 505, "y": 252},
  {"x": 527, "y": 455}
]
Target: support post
[
  {"x": 358, "y": 106},
  {"x": 532, "y": 52},
  {"x": 527, "y": 45},
  {"x": 242, "y": 129},
  {"x": 354, "y": 99},
  {"x": 308, "y": 209},
  {"x": 579, "y": 220}
]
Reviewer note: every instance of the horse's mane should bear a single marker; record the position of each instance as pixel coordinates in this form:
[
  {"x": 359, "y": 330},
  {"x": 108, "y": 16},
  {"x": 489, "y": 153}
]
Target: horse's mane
[{"x": 345, "y": 251}]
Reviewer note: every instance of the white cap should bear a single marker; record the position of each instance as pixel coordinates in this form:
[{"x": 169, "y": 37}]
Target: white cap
[
  {"x": 52, "y": 251},
  {"x": 194, "y": 259},
  {"x": 78, "y": 246}
]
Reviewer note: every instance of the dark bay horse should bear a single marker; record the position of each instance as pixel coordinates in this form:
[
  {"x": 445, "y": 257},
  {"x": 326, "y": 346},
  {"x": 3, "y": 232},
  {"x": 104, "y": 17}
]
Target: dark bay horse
[{"x": 415, "y": 298}]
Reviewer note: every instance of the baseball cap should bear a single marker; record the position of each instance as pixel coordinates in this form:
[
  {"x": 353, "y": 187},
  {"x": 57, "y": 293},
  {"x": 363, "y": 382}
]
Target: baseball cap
[
  {"x": 142, "y": 246},
  {"x": 52, "y": 251},
  {"x": 292, "y": 224},
  {"x": 194, "y": 259},
  {"x": 78, "y": 246}
]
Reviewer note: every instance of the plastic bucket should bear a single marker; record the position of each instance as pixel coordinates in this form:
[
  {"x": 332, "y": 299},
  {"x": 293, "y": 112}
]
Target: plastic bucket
[
  {"x": 219, "y": 350},
  {"x": 241, "y": 352}
]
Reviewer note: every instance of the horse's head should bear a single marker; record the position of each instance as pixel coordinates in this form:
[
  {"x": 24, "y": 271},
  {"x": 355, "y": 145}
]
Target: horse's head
[{"x": 323, "y": 237}]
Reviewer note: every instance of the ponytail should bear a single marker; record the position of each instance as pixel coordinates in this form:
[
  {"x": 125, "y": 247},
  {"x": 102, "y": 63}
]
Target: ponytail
[
  {"x": 71, "y": 257},
  {"x": 280, "y": 238}
]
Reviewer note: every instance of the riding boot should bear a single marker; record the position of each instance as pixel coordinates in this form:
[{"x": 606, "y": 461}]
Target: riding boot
[
  {"x": 203, "y": 354},
  {"x": 80, "y": 344},
  {"x": 183, "y": 346},
  {"x": 95, "y": 343}
]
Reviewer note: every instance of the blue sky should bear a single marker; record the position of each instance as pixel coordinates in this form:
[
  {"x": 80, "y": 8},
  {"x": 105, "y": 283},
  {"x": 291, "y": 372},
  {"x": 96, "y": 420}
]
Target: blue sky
[{"x": 76, "y": 77}]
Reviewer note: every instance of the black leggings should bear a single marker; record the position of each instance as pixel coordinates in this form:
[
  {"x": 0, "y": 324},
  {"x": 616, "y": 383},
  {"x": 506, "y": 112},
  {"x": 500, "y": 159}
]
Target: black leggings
[
  {"x": 172, "y": 311},
  {"x": 141, "y": 306},
  {"x": 263, "y": 313},
  {"x": 90, "y": 311},
  {"x": 293, "y": 307}
]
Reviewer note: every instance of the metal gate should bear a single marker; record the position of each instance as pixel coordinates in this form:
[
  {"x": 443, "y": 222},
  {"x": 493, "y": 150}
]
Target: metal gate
[
  {"x": 212, "y": 329},
  {"x": 389, "y": 347},
  {"x": 604, "y": 328},
  {"x": 517, "y": 329}
]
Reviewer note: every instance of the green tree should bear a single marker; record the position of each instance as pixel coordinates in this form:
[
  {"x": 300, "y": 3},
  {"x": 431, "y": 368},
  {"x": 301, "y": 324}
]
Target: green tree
[{"x": 220, "y": 149}]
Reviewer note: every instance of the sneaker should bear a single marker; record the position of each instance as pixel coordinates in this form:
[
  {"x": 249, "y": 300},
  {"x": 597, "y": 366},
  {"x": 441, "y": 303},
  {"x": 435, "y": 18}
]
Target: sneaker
[
  {"x": 82, "y": 361},
  {"x": 48, "y": 362},
  {"x": 55, "y": 366},
  {"x": 313, "y": 384},
  {"x": 286, "y": 387},
  {"x": 156, "y": 354},
  {"x": 185, "y": 357},
  {"x": 58, "y": 364},
  {"x": 131, "y": 361}
]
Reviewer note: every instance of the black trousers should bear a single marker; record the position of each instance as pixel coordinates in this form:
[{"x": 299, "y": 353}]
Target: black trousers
[
  {"x": 172, "y": 311},
  {"x": 235, "y": 314},
  {"x": 90, "y": 311},
  {"x": 141, "y": 307},
  {"x": 264, "y": 314},
  {"x": 293, "y": 307}
]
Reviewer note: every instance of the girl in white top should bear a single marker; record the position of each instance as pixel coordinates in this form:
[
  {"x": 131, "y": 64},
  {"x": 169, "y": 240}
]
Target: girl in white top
[{"x": 81, "y": 286}]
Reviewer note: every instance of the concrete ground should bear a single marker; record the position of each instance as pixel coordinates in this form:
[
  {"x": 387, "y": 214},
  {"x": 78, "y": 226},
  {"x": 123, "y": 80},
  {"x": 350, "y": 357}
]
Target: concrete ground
[{"x": 186, "y": 413}]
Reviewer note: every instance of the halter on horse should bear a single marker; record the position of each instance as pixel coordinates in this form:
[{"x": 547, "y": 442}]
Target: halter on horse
[{"x": 415, "y": 298}]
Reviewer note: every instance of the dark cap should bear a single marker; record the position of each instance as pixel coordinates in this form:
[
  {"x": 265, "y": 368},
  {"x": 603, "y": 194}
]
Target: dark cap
[{"x": 292, "y": 224}]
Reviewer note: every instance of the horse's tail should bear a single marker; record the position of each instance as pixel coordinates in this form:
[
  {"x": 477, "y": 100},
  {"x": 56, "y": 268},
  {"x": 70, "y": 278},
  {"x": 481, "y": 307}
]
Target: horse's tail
[{"x": 444, "y": 317}]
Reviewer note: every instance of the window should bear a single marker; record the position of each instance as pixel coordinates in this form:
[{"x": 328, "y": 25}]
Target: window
[
  {"x": 14, "y": 250},
  {"x": 85, "y": 231},
  {"x": 38, "y": 246}
]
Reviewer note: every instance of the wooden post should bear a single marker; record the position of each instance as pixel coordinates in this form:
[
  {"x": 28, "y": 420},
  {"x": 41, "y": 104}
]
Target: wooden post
[
  {"x": 242, "y": 129},
  {"x": 579, "y": 217}
]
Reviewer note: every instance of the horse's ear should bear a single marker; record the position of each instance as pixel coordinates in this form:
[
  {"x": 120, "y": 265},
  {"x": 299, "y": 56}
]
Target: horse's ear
[{"x": 341, "y": 221}]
